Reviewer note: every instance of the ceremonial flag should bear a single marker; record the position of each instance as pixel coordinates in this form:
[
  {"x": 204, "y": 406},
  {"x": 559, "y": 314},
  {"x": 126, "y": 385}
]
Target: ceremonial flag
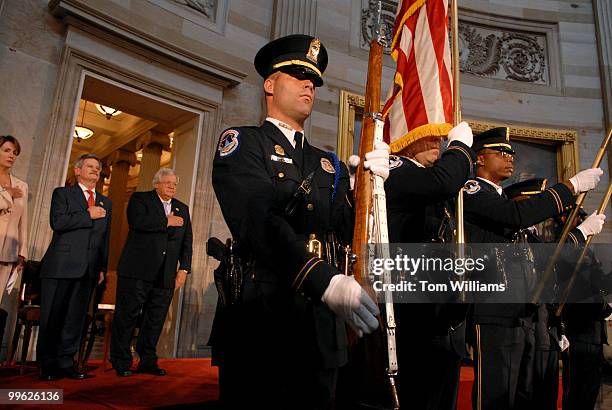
[{"x": 421, "y": 100}]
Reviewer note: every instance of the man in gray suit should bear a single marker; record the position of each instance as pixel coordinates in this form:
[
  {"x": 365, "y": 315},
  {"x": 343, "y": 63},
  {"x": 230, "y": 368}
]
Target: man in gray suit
[{"x": 74, "y": 262}]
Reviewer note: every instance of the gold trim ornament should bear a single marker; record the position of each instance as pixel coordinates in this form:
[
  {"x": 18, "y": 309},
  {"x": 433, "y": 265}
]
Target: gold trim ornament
[{"x": 313, "y": 50}]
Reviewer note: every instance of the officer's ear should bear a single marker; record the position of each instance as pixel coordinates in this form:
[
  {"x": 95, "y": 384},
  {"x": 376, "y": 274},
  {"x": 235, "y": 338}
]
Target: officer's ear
[
  {"x": 269, "y": 82},
  {"x": 480, "y": 160}
]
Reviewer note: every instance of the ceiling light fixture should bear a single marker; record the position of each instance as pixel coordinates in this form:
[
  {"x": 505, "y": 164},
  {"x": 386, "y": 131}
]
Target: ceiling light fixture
[
  {"x": 81, "y": 132},
  {"x": 107, "y": 111}
]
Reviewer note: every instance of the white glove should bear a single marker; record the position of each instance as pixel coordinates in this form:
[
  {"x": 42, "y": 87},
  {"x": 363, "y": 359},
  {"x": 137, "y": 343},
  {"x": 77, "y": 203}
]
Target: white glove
[
  {"x": 564, "y": 343},
  {"x": 347, "y": 299},
  {"x": 353, "y": 163},
  {"x": 592, "y": 225},
  {"x": 586, "y": 180},
  {"x": 462, "y": 132},
  {"x": 377, "y": 160}
]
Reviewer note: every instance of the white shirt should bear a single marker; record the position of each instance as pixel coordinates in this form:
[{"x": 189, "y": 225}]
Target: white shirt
[
  {"x": 494, "y": 185},
  {"x": 287, "y": 130},
  {"x": 167, "y": 205},
  {"x": 85, "y": 189}
]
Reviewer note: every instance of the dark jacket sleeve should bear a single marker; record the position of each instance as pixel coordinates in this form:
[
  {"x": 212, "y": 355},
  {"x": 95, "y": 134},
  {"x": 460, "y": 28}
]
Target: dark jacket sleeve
[
  {"x": 489, "y": 207},
  {"x": 186, "y": 245},
  {"x": 436, "y": 183},
  {"x": 248, "y": 201},
  {"x": 63, "y": 219},
  {"x": 142, "y": 217}
]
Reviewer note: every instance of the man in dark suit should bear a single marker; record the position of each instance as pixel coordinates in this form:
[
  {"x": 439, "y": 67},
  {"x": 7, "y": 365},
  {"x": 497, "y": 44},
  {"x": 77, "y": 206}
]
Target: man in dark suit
[
  {"x": 74, "y": 262},
  {"x": 158, "y": 242}
]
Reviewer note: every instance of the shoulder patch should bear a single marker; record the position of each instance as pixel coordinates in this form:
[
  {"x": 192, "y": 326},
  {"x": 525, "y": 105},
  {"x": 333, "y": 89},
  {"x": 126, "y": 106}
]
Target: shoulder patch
[
  {"x": 327, "y": 166},
  {"x": 395, "y": 162},
  {"x": 229, "y": 142},
  {"x": 471, "y": 186}
]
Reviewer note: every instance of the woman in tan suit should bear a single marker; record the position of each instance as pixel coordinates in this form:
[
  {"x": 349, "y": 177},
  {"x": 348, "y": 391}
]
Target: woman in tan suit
[{"x": 13, "y": 216}]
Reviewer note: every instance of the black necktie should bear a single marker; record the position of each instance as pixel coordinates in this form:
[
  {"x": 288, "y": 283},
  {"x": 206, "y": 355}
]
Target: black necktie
[{"x": 298, "y": 147}]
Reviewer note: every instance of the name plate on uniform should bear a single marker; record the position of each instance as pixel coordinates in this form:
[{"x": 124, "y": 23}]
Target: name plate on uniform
[{"x": 281, "y": 159}]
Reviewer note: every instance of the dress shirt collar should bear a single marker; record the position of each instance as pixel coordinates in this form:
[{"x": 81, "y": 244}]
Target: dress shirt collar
[
  {"x": 168, "y": 202},
  {"x": 85, "y": 189},
  {"x": 499, "y": 189},
  {"x": 287, "y": 130}
]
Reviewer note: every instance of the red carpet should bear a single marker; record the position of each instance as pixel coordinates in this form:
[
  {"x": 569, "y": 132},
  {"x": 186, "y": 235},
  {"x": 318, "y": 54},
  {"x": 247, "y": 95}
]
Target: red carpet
[{"x": 190, "y": 383}]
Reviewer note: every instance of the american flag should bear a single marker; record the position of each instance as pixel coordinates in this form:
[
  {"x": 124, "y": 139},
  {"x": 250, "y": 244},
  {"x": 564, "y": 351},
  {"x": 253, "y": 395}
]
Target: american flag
[{"x": 421, "y": 100}]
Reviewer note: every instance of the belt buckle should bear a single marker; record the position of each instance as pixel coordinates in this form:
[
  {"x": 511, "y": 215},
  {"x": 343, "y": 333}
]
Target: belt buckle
[{"x": 314, "y": 246}]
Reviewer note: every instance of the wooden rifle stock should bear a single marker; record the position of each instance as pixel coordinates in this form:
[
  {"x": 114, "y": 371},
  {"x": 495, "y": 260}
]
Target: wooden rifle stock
[{"x": 363, "y": 181}]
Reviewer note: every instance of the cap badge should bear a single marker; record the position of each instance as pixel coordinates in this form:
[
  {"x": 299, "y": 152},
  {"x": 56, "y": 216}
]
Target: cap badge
[{"x": 313, "y": 50}]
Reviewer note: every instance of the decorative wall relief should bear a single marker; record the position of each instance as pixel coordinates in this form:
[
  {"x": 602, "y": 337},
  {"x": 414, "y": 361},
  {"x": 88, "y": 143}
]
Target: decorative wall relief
[
  {"x": 369, "y": 21},
  {"x": 502, "y": 54},
  {"x": 206, "y": 7},
  {"x": 509, "y": 51}
]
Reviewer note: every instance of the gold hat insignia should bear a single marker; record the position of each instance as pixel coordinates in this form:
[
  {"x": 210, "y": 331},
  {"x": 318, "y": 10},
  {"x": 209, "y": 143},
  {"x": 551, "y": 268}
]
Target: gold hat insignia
[{"x": 313, "y": 50}]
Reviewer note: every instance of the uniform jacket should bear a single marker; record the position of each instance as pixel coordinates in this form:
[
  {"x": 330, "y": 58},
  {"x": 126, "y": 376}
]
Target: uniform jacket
[
  {"x": 256, "y": 172},
  {"x": 414, "y": 194},
  {"x": 80, "y": 244},
  {"x": 14, "y": 223},
  {"x": 493, "y": 218},
  {"x": 151, "y": 244}
]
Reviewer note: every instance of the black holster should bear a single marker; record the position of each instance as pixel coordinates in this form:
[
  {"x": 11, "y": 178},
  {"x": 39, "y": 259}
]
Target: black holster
[{"x": 229, "y": 278}]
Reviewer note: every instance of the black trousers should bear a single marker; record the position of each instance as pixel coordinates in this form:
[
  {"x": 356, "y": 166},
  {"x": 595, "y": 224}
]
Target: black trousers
[
  {"x": 545, "y": 380},
  {"x": 429, "y": 374},
  {"x": 582, "y": 367},
  {"x": 503, "y": 363},
  {"x": 64, "y": 304},
  {"x": 132, "y": 296}
]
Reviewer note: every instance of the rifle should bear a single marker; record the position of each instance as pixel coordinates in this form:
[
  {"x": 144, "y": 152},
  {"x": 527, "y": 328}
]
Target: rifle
[{"x": 371, "y": 228}]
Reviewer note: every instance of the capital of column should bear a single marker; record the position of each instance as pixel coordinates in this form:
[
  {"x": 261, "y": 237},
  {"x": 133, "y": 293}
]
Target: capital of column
[
  {"x": 122, "y": 156},
  {"x": 153, "y": 137}
]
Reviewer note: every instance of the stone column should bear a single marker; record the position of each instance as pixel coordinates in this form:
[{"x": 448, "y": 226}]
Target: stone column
[
  {"x": 294, "y": 17},
  {"x": 104, "y": 173},
  {"x": 602, "y": 9},
  {"x": 152, "y": 143},
  {"x": 120, "y": 161}
]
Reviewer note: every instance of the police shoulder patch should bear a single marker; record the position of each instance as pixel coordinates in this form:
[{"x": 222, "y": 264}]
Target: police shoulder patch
[
  {"x": 229, "y": 142},
  {"x": 471, "y": 186},
  {"x": 395, "y": 162},
  {"x": 327, "y": 166}
]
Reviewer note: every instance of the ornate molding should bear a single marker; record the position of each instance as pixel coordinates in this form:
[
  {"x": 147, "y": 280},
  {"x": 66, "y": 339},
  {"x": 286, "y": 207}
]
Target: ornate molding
[{"x": 529, "y": 133}]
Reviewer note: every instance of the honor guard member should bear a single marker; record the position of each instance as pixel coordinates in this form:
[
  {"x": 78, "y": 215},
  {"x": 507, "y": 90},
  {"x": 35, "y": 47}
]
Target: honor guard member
[
  {"x": 550, "y": 339},
  {"x": 286, "y": 203},
  {"x": 501, "y": 331},
  {"x": 430, "y": 337},
  {"x": 584, "y": 316}
]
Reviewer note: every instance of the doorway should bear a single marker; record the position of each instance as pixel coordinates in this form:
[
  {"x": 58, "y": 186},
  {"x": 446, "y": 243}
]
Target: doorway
[{"x": 134, "y": 134}]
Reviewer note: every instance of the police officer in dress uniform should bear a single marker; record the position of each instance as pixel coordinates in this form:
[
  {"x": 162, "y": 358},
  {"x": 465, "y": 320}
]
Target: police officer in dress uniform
[
  {"x": 550, "y": 339},
  {"x": 584, "y": 318},
  {"x": 430, "y": 337},
  {"x": 501, "y": 331},
  {"x": 281, "y": 345}
]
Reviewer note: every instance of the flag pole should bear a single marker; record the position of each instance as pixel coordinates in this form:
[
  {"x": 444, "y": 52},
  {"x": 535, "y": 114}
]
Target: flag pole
[{"x": 460, "y": 234}]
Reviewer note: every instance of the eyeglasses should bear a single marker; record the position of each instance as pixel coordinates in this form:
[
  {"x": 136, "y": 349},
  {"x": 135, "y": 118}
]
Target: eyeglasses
[{"x": 505, "y": 155}]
